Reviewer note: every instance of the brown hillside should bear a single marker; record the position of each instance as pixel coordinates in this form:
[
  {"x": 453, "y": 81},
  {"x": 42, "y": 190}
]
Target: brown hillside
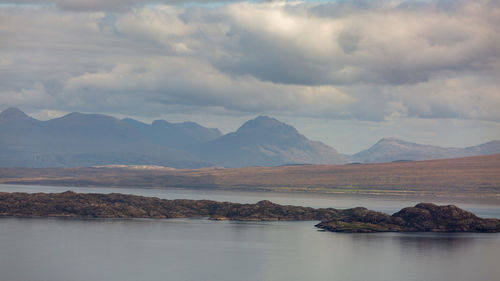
[{"x": 478, "y": 175}]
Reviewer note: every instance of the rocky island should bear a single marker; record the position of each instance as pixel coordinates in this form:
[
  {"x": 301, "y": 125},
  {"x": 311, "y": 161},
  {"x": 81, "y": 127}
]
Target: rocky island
[{"x": 422, "y": 217}]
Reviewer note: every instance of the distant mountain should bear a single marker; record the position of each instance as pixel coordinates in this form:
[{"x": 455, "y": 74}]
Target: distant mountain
[
  {"x": 14, "y": 114},
  {"x": 79, "y": 139},
  {"x": 265, "y": 141},
  {"x": 181, "y": 135},
  {"x": 392, "y": 149}
]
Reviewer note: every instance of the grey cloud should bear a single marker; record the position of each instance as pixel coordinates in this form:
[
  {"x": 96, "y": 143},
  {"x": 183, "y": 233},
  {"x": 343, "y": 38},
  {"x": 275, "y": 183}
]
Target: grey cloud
[
  {"x": 390, "y": 46},
  {"x": 349, "y": 42},
  {"x": 194, "y": 83},
  {"x": 107, "y": 5},
  {"x": 376, "y": 62},
  {"x": 345, "y": 8}
]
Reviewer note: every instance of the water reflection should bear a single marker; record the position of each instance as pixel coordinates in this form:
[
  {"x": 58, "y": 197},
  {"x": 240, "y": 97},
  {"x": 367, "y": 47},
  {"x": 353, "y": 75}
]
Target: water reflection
[
  {"x": 39, "y": 249},
  {"x": 416, "y": 243},
  {"x": 418, "y": 256}
]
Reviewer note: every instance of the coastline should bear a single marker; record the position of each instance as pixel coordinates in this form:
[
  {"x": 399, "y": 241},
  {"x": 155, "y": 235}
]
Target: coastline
[
  {"x": 423, "y": 217},
  {"x": 470, "y": 177},
  {"x": 492, "y": 199}
]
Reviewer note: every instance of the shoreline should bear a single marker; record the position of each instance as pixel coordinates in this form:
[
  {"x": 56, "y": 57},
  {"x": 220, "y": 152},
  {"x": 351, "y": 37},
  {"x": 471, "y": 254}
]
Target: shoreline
[
  {"x": 423, "y": 217},
  {"x": 436, "y": 197},
  {"x": 477, "y": 177}
]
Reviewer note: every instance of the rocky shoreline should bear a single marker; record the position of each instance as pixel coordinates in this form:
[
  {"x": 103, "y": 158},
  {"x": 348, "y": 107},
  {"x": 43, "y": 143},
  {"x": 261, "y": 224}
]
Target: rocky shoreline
[{"x": 422, "y": 217}]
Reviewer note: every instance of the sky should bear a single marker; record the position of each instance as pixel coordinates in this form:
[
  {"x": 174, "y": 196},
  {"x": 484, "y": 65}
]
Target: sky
[{"x": 346, "y": 73}]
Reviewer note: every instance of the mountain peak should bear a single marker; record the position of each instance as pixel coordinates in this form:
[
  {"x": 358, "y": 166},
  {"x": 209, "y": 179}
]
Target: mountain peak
[
  {"x": 390, "y": 139},
  {"x": 13, "y": 113},
  {"x": 393, "y": 149},
  {"x": 161, "y": 122},
  {"x": 79, "y": 115},
  {"x": 85, "y": 117},
  {"x": 265, "y": 141},
  {"x": 264, "y": 122}
]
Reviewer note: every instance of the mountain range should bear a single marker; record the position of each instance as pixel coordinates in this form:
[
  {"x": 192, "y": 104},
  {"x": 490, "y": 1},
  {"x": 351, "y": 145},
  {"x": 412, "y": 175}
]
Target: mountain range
[
  {"x": 392, "y": 149},
  {"x": 79, "y": 139}
]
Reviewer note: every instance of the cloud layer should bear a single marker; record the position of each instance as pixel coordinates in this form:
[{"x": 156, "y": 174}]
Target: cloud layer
[{"x": 363, "y": 60}]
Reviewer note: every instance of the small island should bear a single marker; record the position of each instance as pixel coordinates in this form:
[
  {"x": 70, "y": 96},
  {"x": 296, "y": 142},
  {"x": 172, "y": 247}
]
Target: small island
[{"x": 424, "y": 217}]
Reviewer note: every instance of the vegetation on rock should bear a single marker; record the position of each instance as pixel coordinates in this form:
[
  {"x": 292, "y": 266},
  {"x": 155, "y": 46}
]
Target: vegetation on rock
[{"x": 422, "y": 217}]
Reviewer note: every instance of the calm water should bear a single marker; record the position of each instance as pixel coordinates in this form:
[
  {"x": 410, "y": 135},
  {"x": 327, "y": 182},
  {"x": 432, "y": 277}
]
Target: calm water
[{"x": 53, "y": 249}]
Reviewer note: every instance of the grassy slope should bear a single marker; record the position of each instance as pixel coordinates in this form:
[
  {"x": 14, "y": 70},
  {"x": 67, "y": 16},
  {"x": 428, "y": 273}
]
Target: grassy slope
[{"x": 471, "y": 176}]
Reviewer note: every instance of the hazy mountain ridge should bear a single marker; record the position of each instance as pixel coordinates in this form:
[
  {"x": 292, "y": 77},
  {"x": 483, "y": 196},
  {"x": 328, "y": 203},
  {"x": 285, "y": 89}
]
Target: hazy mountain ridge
[
  {"x": 79, "y": 139},
  {"x": 265, "y": 141},
  {"x": 392, "y": 149}
]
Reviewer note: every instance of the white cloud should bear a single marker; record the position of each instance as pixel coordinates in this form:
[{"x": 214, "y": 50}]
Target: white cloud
[
  {"x": 185, "y": 81},
  {"x": 342, "y": 60},
  {"x": 105, "y": 5},
  {"x": 34, "y": 96}
]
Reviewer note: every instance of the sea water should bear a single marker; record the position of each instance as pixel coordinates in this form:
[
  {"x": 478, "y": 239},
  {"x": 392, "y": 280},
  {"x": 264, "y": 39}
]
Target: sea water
[{"x": 53, "y": 249}]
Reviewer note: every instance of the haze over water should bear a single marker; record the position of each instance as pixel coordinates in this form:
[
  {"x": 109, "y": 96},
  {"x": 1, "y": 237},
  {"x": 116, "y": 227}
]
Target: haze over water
[{"x": 197, "y": 249}]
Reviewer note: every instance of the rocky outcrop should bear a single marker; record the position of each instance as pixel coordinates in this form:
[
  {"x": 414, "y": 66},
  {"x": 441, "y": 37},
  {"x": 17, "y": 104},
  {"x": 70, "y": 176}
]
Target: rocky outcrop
[
  {"x": 115, "y": 205},
  {"x": 422, "y": 217}
]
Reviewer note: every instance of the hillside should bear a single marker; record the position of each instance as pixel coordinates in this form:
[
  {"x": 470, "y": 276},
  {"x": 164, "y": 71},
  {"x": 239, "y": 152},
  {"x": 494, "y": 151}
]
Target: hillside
[
  {"x": 79, "y": 139},
  {"x": 470, "y": 176},
  {"x": 265, "y": 141}
]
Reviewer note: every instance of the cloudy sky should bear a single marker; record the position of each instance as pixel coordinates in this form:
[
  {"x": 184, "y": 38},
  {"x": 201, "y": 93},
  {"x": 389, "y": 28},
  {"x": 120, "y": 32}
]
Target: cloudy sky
[{"x": 343, "y": 72}]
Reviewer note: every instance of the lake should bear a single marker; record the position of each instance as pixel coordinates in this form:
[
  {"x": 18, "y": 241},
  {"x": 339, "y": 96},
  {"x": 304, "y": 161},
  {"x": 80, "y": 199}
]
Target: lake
[{"x": 55, "y": 249}]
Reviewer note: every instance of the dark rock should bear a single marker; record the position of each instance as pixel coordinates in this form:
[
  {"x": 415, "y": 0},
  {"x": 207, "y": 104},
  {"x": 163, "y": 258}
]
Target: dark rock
[
  {"x": 115, "y": 205},
  {"x": 422, "y": 217}
]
